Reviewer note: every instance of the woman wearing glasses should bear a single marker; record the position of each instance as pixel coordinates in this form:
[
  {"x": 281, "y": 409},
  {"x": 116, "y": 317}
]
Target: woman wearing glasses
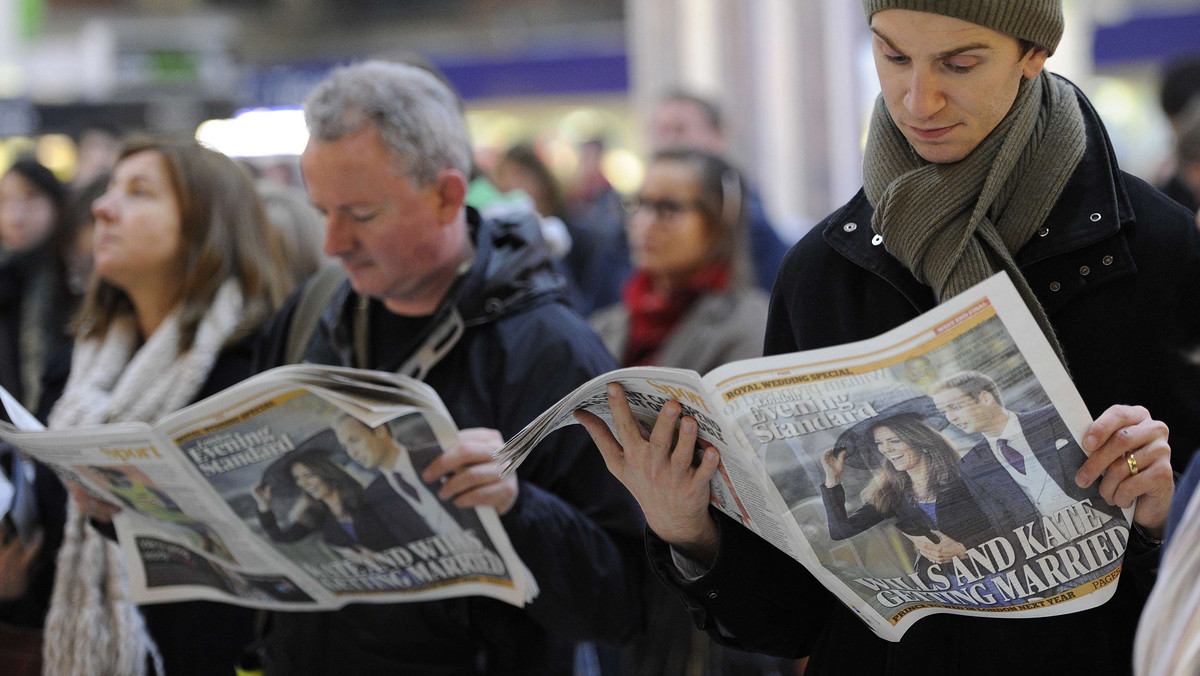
[{"x": 690, "y": 302}]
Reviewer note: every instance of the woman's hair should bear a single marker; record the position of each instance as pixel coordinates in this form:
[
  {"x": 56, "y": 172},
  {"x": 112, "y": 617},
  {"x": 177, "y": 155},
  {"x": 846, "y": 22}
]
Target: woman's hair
[
  {"x": 338, "y": 480},
  {"x": 295, "y": 225},
  {"x": 43, "y": 182},
  {"x": 524, "y": 156},
  {"x": 723, "y": 204},
  {"x": 224, "y": 234},
  {"x": 75, "y": 265},
  {"x": 886, "y": 490},
  {"x": 40, "y": 179}
]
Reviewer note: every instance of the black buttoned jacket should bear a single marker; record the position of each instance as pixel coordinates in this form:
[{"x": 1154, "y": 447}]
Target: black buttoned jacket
[{"x": 1116, "y": 266}]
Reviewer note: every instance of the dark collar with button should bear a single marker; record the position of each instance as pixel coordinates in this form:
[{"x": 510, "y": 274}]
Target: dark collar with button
[{"x": 1080, "y": 245}]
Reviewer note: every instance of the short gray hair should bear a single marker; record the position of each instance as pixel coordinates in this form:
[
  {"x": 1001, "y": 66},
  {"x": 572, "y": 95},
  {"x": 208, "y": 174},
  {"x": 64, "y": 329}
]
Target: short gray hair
[{"x": 417, "y": 115}]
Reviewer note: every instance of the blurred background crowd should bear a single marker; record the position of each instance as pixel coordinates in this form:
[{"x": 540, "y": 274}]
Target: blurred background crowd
[{"x": 565, "y": 100}]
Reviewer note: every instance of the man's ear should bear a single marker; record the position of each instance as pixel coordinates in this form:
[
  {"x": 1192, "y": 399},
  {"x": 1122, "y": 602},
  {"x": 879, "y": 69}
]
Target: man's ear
[
  {"x": 450, "y": 187},
  {"x": 985, "y": 398},
  {"x": 1034, "y": 61}
]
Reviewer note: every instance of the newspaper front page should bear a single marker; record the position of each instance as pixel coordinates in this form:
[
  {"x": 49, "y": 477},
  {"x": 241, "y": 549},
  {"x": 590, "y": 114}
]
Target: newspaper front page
[
  {"x": 905, "y": 496},
  {"x": 298, "y": 489}
]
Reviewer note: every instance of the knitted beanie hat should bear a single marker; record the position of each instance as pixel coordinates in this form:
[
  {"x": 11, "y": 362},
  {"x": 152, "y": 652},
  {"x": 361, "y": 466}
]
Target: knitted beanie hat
[{"x": 1039, "y": 21}]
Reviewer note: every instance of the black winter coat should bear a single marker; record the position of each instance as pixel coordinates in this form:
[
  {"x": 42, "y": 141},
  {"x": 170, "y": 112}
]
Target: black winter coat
[
  {"x": 1117, "y": 267},
  {"x": 573, "y": 524}
]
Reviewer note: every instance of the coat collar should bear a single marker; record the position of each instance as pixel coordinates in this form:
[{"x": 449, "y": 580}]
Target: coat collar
[{"x": 1094, "y": 207}]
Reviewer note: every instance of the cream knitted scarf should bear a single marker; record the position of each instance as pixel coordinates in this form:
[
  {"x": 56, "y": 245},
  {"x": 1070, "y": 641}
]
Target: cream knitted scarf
[
  {"x": 93, "y": 627},
  {"x": 953, "y": 225}
]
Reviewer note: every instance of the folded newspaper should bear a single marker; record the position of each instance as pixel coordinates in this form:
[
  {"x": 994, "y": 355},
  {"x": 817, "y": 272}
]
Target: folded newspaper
[
  {"x": 927, "y": 470},
  {"x": 297, "y": 489}
]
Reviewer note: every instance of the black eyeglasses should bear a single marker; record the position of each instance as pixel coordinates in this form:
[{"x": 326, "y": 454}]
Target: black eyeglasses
[{"x": 663, "y": 210}]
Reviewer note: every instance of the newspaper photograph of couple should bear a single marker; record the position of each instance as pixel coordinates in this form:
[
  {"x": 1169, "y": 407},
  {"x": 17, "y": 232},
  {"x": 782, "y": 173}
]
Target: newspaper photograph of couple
[
  {"x": 346, "y": 503},
  {"x": 944, "y": 480},
  {"x": 930, "y": 469},
  {"x": 300, "y": 488}
]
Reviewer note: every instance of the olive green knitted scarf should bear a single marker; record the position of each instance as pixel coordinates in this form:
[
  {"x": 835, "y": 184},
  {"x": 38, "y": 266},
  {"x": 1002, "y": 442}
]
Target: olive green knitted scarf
[{"x": 954, "y": 225}]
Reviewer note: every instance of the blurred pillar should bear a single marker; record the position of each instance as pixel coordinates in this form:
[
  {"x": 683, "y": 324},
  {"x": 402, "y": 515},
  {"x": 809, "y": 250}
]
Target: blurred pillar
[
  {"x": 10, "y": 48},
  {"x": 1073, "y": 58},
  {"x": 787, "y": 74}
]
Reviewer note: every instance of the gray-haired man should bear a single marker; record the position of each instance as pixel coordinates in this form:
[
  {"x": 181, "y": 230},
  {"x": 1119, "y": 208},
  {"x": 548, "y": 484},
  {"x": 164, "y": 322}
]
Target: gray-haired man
[{"x": 474, "y": 308}]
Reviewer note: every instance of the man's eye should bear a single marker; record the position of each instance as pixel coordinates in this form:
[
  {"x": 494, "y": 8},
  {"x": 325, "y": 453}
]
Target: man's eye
[{"x": 363, "y": 217}]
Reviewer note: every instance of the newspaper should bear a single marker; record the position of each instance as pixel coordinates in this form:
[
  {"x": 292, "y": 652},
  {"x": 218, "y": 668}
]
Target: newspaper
[
  {"x": 814, "y": 457},
  {"x": 297, "y": 489}
]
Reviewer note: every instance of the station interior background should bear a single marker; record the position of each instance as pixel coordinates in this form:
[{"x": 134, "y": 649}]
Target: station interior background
[{"x": 793, "y": 76}]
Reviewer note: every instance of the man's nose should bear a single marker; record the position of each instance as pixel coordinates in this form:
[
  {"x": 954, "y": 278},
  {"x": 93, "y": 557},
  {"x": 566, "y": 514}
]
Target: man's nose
[
  {"x": 339, "y": 236},
  {"x": 924, "y": 97}
]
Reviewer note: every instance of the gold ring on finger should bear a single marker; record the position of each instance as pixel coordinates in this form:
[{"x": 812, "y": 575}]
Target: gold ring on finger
[{"x": 1132, "y": 462}]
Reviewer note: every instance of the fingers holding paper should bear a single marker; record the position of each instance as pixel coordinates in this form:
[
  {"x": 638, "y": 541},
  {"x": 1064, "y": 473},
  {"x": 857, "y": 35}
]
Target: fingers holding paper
[
  {"x": 1129, "y": 453},
  {"x": 661, "y": 471}
]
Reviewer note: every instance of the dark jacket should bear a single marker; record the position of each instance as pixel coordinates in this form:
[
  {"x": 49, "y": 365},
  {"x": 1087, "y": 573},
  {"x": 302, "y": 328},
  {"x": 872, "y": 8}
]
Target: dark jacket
[
  {"x": 766, "y": 248},
  {"x": 1116, "y": 267},
  {"x": 573, "y": 524},
  {"x": 50, "y": 501},
  {"x": 194, "y": 637},
  {"x": 35, "y": 308},
  {"x": 956, "y": 513},
  {"x": 371, "y": 530},
  {"x": 1056, "y": 451}
]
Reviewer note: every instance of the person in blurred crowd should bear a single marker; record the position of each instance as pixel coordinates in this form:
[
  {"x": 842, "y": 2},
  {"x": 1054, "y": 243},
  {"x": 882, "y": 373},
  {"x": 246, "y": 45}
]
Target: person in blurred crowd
[
  {"x": 1180, "y": 100},
  {"x": 38, "y": 294},
  {"x": 33, "y": 312},
  {"x": 977, "y": 161},
  {"x": 1168, "y": 638},
  {"x": 74, "y": 238},
  {"x": 599, "y": 255},
  {"x": 690, "y": 303},
  {"x": 1184, "y": 186},
  {"x": 185, "y": 273},
  {"x": 685, "y": 119},
  {"x": 521, "y": 176},
  {"x": 472, "y": 307},
  {"x": 30, "y": 535},
  {"x": 520, "y": 168},
  {"x": 96, "y": 153},
  {"x": 1168, "y": 635},
  {"x": 295, "y": 226}
]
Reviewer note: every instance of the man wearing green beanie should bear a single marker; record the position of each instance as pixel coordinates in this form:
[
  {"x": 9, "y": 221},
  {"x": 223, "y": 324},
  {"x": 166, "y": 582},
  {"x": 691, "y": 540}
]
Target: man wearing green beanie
[{"x": 977, "y": 161}]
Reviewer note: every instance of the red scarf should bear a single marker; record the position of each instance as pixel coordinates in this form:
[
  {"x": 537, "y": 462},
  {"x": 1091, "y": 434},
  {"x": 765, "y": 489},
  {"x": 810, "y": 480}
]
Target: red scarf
[{"x": 653, "y": 315}]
